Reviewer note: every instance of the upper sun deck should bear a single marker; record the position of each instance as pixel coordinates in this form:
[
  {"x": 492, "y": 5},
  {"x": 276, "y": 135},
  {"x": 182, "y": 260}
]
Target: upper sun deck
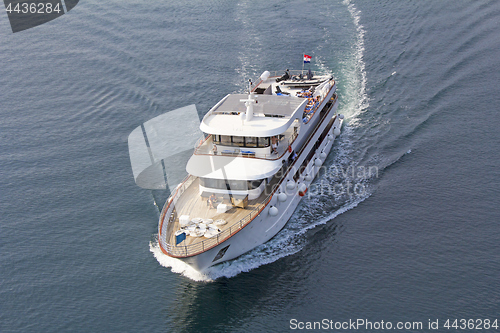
[
  {"x": 272, "y": 115},
  {"x": 275, "y": 102}
]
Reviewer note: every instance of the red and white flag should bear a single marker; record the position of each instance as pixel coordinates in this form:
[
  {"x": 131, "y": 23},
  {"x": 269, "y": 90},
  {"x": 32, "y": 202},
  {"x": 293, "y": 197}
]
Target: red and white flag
[{"x": 307, "y": 58}]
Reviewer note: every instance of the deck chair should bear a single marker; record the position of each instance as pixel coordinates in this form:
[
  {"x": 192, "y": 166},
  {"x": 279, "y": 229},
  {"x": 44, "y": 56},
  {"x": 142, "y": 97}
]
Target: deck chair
[{"x": 278, "y": 91}]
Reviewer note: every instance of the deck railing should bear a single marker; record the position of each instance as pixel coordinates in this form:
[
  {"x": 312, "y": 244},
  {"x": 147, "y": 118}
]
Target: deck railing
[
  {"x": 186, "y": 250},
  {"x": 294, "y": 72}
]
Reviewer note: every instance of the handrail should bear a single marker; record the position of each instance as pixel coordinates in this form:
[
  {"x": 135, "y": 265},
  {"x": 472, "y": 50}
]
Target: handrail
[
  {"x": 330, "y": 86},
  {"x": 293, "y": 72},
  {"x": 199, "y": 247}
]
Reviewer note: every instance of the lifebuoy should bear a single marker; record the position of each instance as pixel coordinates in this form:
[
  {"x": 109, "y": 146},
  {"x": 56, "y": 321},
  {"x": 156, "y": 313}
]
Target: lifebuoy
[
  {"x": 302, "y": 189},
  {"x": 290, "y": 148}
]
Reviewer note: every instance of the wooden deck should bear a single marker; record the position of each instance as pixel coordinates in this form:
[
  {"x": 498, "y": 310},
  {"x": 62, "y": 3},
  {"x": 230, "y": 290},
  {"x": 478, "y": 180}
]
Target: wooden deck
[{"x": 191, "y": 203}]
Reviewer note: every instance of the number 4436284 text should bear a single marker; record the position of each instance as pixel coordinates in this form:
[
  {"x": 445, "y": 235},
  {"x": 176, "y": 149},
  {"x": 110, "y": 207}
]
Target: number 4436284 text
[{"x": 33, "y": 8}]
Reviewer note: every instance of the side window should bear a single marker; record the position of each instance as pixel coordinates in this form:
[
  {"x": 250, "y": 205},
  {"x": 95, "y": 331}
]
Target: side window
[
  {"x": 237, "y": 185},
  {"x": 251, "y": 142},
  {"x": 253, "y": 184},
  {"x": 239, "y": 141},
  {"x": 264, "y": 142},
  {"x": 225, "y": 140}
]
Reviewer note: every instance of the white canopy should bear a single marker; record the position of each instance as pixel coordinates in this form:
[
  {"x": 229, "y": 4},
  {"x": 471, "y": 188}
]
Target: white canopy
[{"x": 232, "y": 168}]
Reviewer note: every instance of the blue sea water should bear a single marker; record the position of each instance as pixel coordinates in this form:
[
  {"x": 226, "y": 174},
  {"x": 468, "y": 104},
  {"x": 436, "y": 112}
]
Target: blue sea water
[{"x": 416, "y": 241}]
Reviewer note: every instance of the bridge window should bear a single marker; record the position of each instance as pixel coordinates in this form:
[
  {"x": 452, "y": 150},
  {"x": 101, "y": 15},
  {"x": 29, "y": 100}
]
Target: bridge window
[
  {"x": 251, "y": 142},
  {"x": 264, "y": 142},
  {"x": 239, "y": 141}
]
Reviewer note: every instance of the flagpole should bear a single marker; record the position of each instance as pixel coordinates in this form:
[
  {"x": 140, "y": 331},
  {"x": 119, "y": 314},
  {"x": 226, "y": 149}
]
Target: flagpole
[{"x": 302, "y": 72}]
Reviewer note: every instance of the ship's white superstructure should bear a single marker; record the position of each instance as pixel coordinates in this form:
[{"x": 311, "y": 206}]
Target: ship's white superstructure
[{"x": 260, "y": 153}]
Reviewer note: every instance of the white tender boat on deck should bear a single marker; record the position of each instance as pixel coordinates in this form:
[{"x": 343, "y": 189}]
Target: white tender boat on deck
[{"x": 259, "y": 155}]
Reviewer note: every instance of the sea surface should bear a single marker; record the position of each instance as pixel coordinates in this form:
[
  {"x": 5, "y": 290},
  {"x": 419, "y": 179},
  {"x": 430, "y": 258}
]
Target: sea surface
[{"x": 403, "y": 225}]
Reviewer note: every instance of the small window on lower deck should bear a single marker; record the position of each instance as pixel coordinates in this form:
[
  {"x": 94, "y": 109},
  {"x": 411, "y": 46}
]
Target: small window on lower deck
[
  {"x": 237, "y": 185},
  {"x": 253, "y": 184}
]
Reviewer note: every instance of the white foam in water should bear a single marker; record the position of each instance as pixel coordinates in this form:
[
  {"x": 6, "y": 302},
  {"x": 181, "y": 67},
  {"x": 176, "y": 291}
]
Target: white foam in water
[
  {"x": 356, "y": 99},
  {"x": 289, "y": 240},
  {"x": 177, "y": 265},
  {"x": 264, "y": 254}
]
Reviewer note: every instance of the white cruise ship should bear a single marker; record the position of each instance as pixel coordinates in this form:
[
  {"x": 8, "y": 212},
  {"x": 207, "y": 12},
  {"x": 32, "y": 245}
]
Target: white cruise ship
[{"x": 259, "y": 155}]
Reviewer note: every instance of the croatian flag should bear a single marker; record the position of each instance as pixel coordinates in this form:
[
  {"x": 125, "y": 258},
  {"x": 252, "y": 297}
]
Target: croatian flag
[{"x": 307, "y": 58}]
